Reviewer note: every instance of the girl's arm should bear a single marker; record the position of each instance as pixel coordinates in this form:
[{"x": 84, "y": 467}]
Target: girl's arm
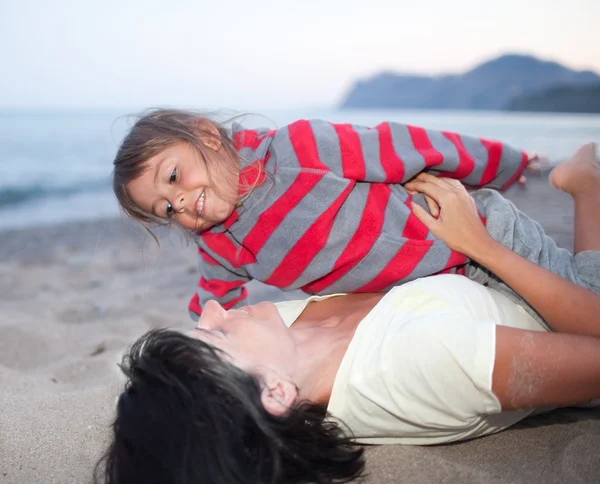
[
  {"x": 218, "y": 283},
  {"x": 565, "y": 306},
  {"x": 534, "y": 369},
  {"x": 394, "y": 153}
]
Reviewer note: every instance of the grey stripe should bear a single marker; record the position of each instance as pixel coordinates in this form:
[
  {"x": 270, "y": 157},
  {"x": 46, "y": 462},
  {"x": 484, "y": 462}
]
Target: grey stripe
[
  {"x": 283, "y": 151},
  {"x": 414, "y": 162},
  {"x": 328, "y": 145},
  {"x": 480, "y": 156},
  {"x": 382, "y": 252},
  {"x": 369, "y": 143},
  {"x": 282, "y": 169},
  {"x": 434, "y": 261},
  {"x": 224, "y": 264},
  {"x": 209, "y": 296},
  {"x": 449, "y": 153},
  {"x": 262, "y": 199},
  {"x": 250, "y": 155},
  {"x": 344, "y": 227},
  {"x": 296, "y": 223},
  {"x": 396, "y": 211},
  {"x": 510, "y": 161}
]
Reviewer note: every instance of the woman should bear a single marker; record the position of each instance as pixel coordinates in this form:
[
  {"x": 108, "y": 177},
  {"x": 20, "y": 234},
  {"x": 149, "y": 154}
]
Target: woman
[{"x": 441, "y": 359}]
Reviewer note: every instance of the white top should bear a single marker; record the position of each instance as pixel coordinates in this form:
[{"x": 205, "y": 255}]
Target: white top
[{"x": 419, "y": 368}]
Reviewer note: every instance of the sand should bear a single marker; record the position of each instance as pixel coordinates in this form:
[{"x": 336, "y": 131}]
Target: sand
[{"x": 74, "y": 296}]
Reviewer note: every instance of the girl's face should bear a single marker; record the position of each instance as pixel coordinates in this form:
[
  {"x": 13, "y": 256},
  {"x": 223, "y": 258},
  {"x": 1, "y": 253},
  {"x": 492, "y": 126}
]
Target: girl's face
[{"x": 176, "y": 185}]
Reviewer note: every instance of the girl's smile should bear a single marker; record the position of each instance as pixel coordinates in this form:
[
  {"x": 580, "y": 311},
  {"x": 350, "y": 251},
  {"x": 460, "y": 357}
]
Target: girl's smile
[{"x": 177, "y": 185}]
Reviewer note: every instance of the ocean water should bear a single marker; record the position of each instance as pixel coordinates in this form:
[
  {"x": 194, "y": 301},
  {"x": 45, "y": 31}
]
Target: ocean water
[{"x": 56, "y": 166}]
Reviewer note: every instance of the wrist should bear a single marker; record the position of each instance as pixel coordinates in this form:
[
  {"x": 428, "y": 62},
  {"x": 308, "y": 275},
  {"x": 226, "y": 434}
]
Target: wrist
[{"x": 486, "y": 251}]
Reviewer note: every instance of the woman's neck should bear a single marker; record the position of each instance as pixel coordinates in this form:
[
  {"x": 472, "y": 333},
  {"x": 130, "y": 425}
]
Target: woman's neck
[{"x": 322, "y": 334}]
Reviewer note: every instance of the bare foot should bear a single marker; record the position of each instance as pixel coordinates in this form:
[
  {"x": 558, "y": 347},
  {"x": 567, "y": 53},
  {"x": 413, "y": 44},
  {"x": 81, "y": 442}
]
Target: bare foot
[{"x": 579, "y": 174}]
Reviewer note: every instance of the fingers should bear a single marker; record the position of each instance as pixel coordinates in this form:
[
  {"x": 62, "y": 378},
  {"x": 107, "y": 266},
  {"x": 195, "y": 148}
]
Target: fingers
[
  {"x": 434, "y": 208},
  {"x": 423, "y": 216},
  {"x": 426, "y": 177},
  {"x": 434, "y": 190},
  {"x": 454, "y": 183}
]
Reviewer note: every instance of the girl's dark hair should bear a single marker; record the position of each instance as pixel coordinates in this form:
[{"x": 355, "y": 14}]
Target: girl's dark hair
[
  {"x": 187, "y": 416},
  {"x": 152, "y": 133}
]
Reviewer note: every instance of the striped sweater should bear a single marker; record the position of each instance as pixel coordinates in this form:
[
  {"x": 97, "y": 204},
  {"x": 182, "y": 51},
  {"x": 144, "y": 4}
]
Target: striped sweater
[{"x": 330, "y": 213}]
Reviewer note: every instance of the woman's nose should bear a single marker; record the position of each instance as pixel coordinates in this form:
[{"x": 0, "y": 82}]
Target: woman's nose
[{"x": 212, "y": 313}]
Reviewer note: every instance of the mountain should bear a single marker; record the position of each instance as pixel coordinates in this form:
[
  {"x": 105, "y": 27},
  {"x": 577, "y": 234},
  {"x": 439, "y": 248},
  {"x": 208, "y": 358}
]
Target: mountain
[
  {"x": 492, "y": 85},
  {"x": 565, "y": 99}
]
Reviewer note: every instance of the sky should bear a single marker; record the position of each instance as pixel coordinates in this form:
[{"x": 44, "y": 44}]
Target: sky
[{"x": 240, "y": 54}]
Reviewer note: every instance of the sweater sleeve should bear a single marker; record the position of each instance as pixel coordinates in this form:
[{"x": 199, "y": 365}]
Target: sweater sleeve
[
  {"x": 217, "y": 283},
  {"x": 394, "y": 153}
]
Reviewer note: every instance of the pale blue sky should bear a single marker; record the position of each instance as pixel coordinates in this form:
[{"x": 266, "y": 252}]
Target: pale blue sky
[{"x": 270, "y": 54}]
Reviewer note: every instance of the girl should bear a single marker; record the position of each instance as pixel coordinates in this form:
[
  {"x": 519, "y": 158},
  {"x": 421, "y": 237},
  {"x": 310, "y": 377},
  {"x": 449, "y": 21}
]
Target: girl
[
  {"x": 440, "y": 359},
  {"x": 314, "y": 205}
]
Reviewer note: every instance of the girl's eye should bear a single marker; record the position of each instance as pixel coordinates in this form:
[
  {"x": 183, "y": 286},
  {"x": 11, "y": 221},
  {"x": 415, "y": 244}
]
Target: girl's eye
[
  {"x": 173, "y": 177},
  {"x": 169, "y": 209}
]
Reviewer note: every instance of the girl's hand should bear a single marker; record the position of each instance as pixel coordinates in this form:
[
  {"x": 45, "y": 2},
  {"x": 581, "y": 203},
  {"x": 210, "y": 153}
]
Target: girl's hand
[{"x": 459, "y": 224}]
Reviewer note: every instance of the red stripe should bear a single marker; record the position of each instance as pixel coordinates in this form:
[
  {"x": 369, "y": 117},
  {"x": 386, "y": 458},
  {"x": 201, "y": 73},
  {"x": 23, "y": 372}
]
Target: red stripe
[
  {"x": 308, "y": 246},
  {"x": 220, "y": 244},
  {"x": 392, "y": 164},
  {"x": 249, "y": 138},
  {"x": 194, "y": 304},
  {"x": 305, "y": 147},
  {"x": 424, "y": 147},
  {"x": 456, "y": 259},
  {"x": 233, "y": 302},
  {"x": 353, "y": 163},
  {"x": 206, "y": 258},
  {"x": 400, "y": 267},
  {"x": 252, "y": 175},
  {"x": 519, "y": 172},
  {"x": 414, "y": 228},
  {"x": 218, "y": 287},
  {"x": 466, "y": 163},
  {"x": 363, "y": 239},
  {"x": 272, "y": 217},
  {"x": 494, "y": 150},
  {"x": 231, "y": 220}
]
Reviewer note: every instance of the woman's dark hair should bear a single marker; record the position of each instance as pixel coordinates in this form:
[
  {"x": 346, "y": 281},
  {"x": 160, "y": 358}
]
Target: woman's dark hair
[{"x": 187, "y": 416}]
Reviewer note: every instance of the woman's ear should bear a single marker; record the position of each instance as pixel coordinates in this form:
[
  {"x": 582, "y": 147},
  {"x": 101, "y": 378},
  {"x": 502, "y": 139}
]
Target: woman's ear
[
  {"x": 209, "y": 135},
  {"x": 278, "y": 394}
]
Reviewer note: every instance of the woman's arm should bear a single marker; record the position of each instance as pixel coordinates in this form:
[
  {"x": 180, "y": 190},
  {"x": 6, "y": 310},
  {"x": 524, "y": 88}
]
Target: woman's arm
[
  {"x": 565, "y": 306},
  {"x": 534, "y": 369}
]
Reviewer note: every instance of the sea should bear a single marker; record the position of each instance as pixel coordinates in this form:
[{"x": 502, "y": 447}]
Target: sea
[{"x": 55, "y": 166}]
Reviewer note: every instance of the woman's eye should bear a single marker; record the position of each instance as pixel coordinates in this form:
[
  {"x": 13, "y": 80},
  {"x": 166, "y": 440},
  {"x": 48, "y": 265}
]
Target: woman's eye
[
  {"x": 169, "y": 209},
  {"x": 173, "y": 177}
]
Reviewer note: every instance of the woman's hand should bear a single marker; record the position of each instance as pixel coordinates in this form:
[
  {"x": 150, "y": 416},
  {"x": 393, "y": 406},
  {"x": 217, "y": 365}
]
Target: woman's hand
[{"x": 458, "y": 224}]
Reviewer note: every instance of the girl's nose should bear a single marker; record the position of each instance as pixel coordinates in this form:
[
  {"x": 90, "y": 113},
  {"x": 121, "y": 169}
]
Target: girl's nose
[{"x": 179, "y": 203}]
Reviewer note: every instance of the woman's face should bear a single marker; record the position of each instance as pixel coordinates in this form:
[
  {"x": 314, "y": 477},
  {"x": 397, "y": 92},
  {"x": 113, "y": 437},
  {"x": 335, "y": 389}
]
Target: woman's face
[{"x": 255, "y": 338}]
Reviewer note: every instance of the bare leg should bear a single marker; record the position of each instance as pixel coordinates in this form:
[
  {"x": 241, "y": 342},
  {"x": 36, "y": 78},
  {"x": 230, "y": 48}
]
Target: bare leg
[{"x": 580, "y": 178}]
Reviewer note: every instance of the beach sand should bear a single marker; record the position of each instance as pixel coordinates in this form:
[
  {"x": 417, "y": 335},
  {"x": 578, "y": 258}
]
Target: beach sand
[{"x": 73, "y": 297}]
